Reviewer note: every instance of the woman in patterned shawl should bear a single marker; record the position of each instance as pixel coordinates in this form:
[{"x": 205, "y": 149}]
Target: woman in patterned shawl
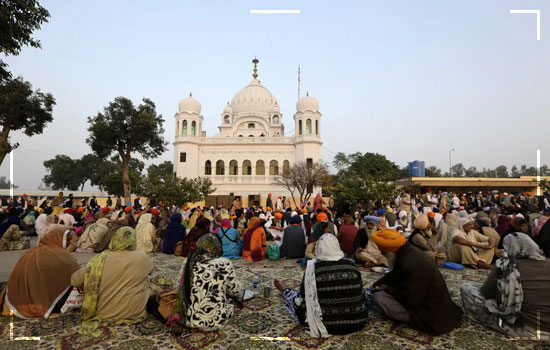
[
  {"x": 515, "y": 298},
  {"x": 115, "y": 284},
  {"x": 207, "y": 286}
]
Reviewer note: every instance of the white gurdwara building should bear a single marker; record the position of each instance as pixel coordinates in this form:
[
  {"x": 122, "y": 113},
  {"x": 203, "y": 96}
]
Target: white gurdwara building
[{"x": 251, "y": 150}]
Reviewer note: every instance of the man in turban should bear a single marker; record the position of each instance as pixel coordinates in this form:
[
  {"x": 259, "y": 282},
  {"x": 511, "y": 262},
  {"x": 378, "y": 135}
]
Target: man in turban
[
  {"x": 366, "y": 250},
  {"x": 424, "y": 237},
  {"x": 414, "y": 290}
]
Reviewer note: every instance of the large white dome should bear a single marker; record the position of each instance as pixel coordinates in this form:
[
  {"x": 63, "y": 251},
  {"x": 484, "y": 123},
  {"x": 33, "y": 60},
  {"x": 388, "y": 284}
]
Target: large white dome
[
  {"x": 190, "y": 105},
  {"x": 307, "y": 103},
  {"x": 254, "y": 99}
]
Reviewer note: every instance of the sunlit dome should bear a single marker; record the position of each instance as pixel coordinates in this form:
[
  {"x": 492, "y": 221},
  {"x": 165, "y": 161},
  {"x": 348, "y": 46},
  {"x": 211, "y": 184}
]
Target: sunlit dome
[
  {"x": 189, "y": 104},
  {"x": 307, "y": 103}
]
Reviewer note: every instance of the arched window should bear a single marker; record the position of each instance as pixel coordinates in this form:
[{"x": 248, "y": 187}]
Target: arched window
[
  {"x": 247, "y": 168},
  {"x": 220, "y": 167},
  {"x": 286, "y": 167},
  {"x": 308, "y": 126},
  {"x": 275, "y": 119},
  {"x": 177, "y": 127},
  {"x": 250, "y": 135},
  {"x": 208, "y": 168},
  {"x": 316, "y": 127},
  {"x": 184, "y": 128},
  {"x": 299, "y": 127},
  {"x": 233, "y": 168},
  {"x": 194, "y": 128},
  {"x": 251, "y": 126},
  {"x": 273, "y": 168},
  {"x": 260, "y": 167},
  {"x": 227, "y": 119},
  {"x": 241, "y": 136}
]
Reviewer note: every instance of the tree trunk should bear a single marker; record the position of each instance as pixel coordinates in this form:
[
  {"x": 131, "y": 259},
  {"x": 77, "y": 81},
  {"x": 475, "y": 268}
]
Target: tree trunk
[
  {"x": 4, "y": 145},
  {"x": 126, "y": 179}
]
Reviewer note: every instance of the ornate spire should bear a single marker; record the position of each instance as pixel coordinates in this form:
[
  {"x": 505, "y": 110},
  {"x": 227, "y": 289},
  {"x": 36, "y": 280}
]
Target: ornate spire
[
  {"x": 190, "y": 94},
  {"x": 255, "y": 61}
]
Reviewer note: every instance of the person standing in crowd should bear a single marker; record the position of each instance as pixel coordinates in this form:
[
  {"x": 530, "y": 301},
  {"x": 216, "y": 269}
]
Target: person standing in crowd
[
  {"x": 69, "y": 201},
  {"x": 414, "y": 291},
  {"x": 118, "y": 204},
  {"x": 109, "y": 201},
  {"x": 137, "y": 203},
  {"x": 57, "y": 203},
  {"x": 93, "y": 203}
]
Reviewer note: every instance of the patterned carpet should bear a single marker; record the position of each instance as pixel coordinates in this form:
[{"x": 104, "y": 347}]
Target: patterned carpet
[{"x": 263, "y": 324}]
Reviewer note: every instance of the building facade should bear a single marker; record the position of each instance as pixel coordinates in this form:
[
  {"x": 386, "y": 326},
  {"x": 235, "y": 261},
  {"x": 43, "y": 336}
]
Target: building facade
[{"x": 251, "y": 150}]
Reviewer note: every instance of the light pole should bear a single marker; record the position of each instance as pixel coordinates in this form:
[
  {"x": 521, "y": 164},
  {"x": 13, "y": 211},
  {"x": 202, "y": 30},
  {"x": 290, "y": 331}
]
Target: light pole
[{"x": 450, "y": 164}]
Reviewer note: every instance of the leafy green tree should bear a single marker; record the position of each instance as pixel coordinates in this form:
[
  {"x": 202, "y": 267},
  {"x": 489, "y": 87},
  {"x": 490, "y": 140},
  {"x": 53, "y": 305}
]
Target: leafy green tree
[
  {"x": 458, "y": 170},
  {"x": 107, "y": 174},
  {"x": 63, "y": 173},
  {"x": 501, "y": 171},
  {"x": 472, "y": 172},
  {"x": 365, "y": 179},
  {"x": 18, "y": 19},
  {"x": 433, "y": 171},
  {"x": 23, "y": 109},
  {"x": 162, "y": 184},
  {"x": 124, "y": 130}
]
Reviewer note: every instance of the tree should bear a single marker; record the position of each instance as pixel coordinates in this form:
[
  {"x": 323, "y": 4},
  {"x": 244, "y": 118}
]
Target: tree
[
  {"x": 123, "y": 130},
  {"x": 458, "y": 170},
  {"x": 162, "y": 183},
  {"x": 501, "y": 171},
  {"x": 18, "y": 19},
  {"x": 64, "y": 173},
  {"x": 21, "y": 108},
  {"x": 472, "y": 172},
  {"x": 5, "y": 184},
  {"x": 107, "y": 174},
  {"x": 433, "y": 171},
  {"x": 303, "y": 178},
  {"x": 363, "y": 179}
]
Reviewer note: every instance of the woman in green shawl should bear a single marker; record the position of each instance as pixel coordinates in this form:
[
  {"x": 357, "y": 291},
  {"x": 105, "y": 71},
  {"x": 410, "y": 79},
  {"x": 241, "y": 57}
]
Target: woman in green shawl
[{"x": 115, "y": 284}]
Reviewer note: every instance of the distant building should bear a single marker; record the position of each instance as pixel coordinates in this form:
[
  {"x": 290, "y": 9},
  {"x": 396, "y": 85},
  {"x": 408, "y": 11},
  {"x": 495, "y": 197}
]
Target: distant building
[
  {"x": 251, "y": 149},
  {"x": 465, "y": 184}
]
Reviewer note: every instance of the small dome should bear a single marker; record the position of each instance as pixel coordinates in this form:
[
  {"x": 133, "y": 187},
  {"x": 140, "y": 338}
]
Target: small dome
[
  {"x": 307, "y": 103},
  {"x": 190, "y": 105},
  {"x": 228, "y": 109}
]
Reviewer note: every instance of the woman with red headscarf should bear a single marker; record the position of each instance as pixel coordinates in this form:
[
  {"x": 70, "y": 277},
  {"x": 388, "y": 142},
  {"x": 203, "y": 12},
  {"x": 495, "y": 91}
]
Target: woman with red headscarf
[
  {"x": 255, "y": 246},
  {"x": 201, "y": 228}
]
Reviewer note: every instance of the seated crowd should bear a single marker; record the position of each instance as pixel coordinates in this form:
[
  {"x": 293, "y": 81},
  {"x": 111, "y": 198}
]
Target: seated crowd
[{"x": 409, "y": 240}]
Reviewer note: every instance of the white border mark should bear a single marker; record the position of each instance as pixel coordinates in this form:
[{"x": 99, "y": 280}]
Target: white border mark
[
  {"x": 275, "y": 11},
  {"x": 531, "y": 11},
  {"x": 538, "y": 172},
  {"x": 18, "y": 338},
  {"x": 11, "y": 174}
]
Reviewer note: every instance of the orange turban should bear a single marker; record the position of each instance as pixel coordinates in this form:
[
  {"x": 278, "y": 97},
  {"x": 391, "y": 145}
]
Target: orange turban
[
  {"x": 278, "y": 216},
  {"x": 322, "y": 217},
  {"x": 431, "y": 215},
  {"x": 80, "y": 210},
  {"x": 127, "y": 209},
  {"x": 388, "y": 240}
]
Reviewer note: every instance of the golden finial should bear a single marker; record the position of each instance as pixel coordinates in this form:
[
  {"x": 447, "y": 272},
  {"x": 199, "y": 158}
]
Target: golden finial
[
  {"x": 190, "y": 94},
  {"x": 307, "y": 93},
  {"x": 255, "y": 61}
]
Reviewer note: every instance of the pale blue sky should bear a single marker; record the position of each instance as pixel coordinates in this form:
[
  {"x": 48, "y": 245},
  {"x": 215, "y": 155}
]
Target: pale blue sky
[{"x": 408, "y": 79}]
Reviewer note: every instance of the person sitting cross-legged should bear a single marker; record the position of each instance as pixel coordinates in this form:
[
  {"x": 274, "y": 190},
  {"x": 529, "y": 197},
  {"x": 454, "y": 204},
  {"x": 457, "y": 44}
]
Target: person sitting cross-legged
[
  {"x": 515, "y": 298},
  {"x": 414, "y": 290},
  {"x": 331, "y": 299}
]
